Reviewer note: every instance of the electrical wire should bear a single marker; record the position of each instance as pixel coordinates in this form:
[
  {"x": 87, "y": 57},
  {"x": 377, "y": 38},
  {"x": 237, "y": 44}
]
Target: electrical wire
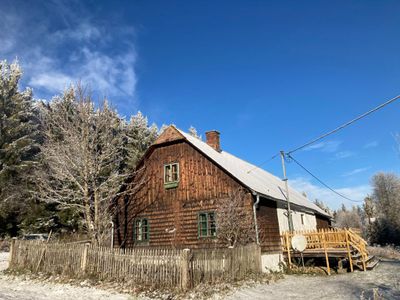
[
  {"x": 263, "y": 163},
  {"x": 320, "y": 181},
  {"x": 345, "y": 124}
]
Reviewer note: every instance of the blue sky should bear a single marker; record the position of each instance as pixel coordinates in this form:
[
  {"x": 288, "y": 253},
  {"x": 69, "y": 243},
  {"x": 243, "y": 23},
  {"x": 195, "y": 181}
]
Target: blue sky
[{"x": 269, "y": 75}]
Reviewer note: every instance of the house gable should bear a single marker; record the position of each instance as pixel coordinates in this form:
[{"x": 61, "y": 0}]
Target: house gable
[
  {"x": 170, "y": 134},
  {"x": 173, "y": 212}
]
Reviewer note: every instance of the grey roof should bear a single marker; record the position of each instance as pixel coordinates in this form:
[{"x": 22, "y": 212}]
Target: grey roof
[{"x": 258, "y": 180}]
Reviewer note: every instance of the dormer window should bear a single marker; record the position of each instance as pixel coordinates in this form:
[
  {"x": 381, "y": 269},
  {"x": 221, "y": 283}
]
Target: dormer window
[{"x": 171, "y": 175}]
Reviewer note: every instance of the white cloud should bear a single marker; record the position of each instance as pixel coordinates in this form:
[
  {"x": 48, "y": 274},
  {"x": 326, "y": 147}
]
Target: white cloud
[
  {"x": 114, "y": 75},
  {"x": 355, "y": 171},
  {"x": 372, "y": 144},
  {"x": 334, "y": 201},
  {"x": 80, "y": 49},
  {"x": 82, "y": 32},
  {"x": 51, "y": 81},
  {"x": 328, "y": 146}
]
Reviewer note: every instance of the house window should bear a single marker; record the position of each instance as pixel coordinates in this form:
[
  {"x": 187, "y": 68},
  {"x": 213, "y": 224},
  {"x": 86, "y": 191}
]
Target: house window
[
  {"x": 207, "y": 225},
  {"x": 302, "y": 219},
  {"x": 171, "y": 175},
  {"x": 141, "y": 230}
]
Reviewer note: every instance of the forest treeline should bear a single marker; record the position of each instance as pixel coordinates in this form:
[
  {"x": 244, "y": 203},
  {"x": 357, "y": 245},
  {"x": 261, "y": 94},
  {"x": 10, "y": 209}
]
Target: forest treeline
[
  {"x": 63, "y": 160},
  {"x": 378, "y": 217}
]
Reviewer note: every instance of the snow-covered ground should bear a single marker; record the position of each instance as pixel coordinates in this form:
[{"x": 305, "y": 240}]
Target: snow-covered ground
[
  {"x": 3, "y": 260},
  {"x": 12, "y": 288},
  {"x": 385, "y": 277}
]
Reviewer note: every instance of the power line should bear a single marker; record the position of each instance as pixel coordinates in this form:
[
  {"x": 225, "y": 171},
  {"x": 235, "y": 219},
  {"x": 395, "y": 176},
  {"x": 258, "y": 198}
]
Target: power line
[
  {"x": 320, "y": 181},
  {"x": 263, "y": 163},
  {"x": 345, "y": 124}
]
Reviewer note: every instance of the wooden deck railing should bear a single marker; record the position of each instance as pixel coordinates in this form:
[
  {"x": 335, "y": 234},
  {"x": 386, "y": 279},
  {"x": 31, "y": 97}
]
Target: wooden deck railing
[{"x": 328, "y": 241}]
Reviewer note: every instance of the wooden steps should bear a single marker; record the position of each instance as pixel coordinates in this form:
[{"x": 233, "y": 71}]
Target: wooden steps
[{"x": 371, "y": 262}]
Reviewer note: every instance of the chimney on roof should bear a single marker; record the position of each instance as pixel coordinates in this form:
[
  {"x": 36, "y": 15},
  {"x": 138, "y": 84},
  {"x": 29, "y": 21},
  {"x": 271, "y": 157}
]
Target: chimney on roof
[{"x": 212, "y": 138}]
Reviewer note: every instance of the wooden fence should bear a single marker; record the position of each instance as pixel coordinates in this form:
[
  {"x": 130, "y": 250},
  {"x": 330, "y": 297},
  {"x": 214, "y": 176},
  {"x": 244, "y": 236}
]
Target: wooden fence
[
  {"x": 212, "y": 265},
  {"x": 146, "y": 266}
]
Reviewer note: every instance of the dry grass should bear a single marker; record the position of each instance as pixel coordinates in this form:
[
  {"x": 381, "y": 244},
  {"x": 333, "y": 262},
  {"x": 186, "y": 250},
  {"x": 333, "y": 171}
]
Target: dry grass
[
  {"x": 389, "y": 252},
  {"x": 5, "y": 245}
]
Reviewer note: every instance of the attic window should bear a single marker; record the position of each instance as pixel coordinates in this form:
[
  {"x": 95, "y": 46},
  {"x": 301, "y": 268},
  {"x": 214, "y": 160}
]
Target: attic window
[
  {"x": 302, "y": 219},
  {"x": 171, "y": 175}
]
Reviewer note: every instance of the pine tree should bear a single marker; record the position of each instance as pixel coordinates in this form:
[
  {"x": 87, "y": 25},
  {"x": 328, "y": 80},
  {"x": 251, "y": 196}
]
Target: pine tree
[
  {"x": 138, "y": 137},
  {"x": 193, "y": 132},
  {"x": 18, "y": 144}
]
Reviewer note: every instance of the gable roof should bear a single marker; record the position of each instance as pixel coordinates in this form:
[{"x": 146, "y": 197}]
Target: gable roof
[{"x": 258, "y": 180}]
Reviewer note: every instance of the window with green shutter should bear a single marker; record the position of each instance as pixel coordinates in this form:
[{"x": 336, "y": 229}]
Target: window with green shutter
[
  {"x": 141, "y": 230},
  {"x": 207, "y": 225}
]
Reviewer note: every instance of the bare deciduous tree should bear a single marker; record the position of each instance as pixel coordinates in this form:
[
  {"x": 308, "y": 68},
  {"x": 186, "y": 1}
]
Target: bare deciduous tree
[
  {"x": 386, "y": 200},
  {"x": 235, "y": 225},
  {"x": 346, "y": 218},
  {"x": 82, "y": 159}
]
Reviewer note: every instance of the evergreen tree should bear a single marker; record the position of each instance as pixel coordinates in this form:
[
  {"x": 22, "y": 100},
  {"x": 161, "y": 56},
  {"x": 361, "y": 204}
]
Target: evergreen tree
[
  {"x": 193, "y": 132},
  {"x": 18, "y": 146},
  {"x": 138, "y": 136}
]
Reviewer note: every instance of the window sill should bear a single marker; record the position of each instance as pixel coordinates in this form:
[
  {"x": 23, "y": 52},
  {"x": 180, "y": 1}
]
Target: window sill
[
  {"x": 207, "y": 237},
  {"x": 171, "y": 185},
  {"x": 142, "y": 243}
]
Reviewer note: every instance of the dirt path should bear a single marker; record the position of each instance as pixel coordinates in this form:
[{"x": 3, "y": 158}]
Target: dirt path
[
  {"x": 18, "y": 289},
  {"x": 385, "y": 277}
]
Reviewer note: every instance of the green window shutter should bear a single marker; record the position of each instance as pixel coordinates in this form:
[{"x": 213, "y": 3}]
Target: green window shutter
[
  {"x": 141, "y": 230},
  {"x": 212, "y": 224},
  {"x": 202, "y": 225},
  {"x": 145, "y": 230}
]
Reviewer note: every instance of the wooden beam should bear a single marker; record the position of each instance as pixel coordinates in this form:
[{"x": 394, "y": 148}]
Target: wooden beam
[
  {"x": 326, "y": 253},
  {"x": 349, "y": 252}
]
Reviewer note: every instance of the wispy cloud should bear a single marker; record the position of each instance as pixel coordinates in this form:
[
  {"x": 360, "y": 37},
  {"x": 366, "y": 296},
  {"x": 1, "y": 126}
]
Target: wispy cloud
[
  {"x": 67, "y": 47},
  {"x": 313, "y": 191},
  {"x": 344, "y": 154},
  {"x": 372, "y": 144},
  {"x": 328, "y": 146},
  {"x": 356, "y": 171}
]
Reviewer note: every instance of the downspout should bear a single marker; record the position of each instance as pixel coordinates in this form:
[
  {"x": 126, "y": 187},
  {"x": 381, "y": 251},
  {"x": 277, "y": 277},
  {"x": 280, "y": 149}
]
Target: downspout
[
  {"x": 112, "y": 234},
  {"x": 255, "y": 217}
]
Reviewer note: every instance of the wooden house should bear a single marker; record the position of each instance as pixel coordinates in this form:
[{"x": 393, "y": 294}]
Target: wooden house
[{"x": 183, "y": 181}]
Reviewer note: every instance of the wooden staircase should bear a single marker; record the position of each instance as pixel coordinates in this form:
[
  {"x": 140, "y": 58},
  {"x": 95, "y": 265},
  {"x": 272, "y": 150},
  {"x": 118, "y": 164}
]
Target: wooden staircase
[{"x": 343, "y": 244}]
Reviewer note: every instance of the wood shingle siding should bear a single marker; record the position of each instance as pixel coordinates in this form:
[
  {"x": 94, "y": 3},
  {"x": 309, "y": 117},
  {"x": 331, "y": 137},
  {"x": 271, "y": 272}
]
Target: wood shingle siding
[
  {"x": 173, "y": 213},
  {"x": 268, "y": 227},
  {"x": 323, "y": 222}
]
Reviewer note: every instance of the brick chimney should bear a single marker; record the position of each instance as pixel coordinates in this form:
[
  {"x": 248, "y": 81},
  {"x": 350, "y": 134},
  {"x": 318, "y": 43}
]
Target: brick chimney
[{"x": 212, "y": 137}]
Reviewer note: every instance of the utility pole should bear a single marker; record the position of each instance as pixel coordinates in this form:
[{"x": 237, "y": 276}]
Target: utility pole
[{"x": 289, "y": 211}]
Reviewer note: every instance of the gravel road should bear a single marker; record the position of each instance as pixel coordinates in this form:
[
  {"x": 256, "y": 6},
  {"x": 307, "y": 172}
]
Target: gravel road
[{"x": 385, "y": 277}]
